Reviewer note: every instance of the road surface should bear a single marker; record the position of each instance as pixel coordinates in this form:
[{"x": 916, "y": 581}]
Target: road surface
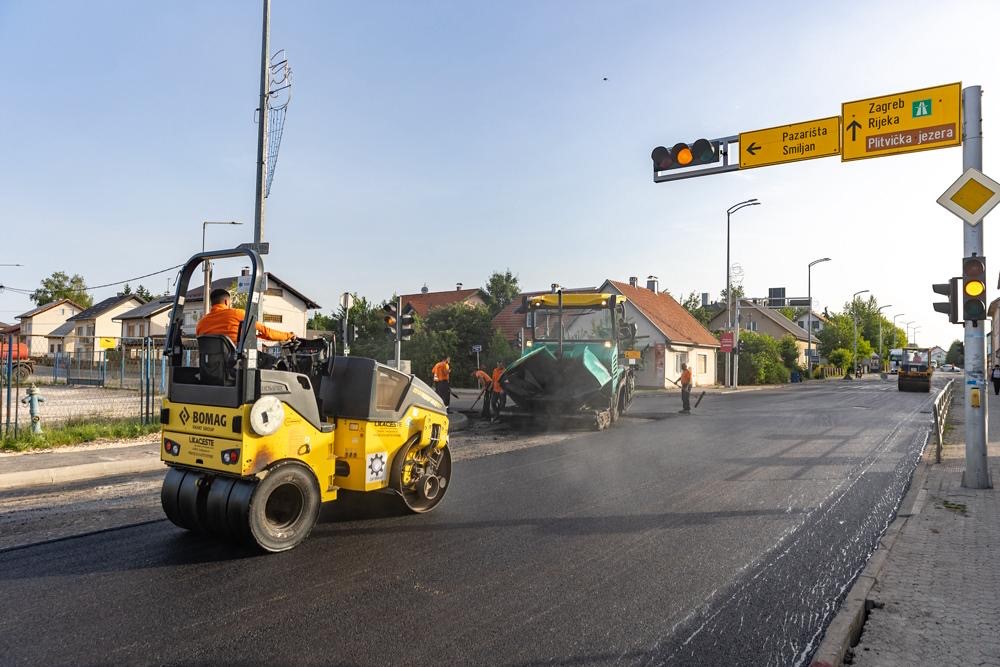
[{"x": 724, "y": 537}]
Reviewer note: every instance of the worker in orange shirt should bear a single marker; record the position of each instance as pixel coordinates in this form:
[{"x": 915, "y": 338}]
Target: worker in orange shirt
[
  {"x": 225, "y": 320},
  {"x": 499, "y": 396},
  {"x": 485, "y": 390},
  {"x": 685, "y": 382},
  {"x": 442, "y": 374}
]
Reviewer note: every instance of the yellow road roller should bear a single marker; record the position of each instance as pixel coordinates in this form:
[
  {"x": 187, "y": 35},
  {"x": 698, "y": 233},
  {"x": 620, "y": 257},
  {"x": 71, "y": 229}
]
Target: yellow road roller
[{"x": 256, "y": 442}]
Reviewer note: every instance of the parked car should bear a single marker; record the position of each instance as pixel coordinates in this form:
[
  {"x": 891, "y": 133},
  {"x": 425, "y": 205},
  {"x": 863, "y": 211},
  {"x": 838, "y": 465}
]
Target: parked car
[{"x": 950, "y": 368}]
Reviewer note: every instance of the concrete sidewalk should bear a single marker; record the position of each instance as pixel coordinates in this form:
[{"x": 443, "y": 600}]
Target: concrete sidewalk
[
  {"x": 932, "y": 597},
  {"x": 77, "y": 463}
]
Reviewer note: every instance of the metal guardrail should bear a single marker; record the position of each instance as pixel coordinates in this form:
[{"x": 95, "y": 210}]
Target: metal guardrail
[{"x": 942, "y": 404}]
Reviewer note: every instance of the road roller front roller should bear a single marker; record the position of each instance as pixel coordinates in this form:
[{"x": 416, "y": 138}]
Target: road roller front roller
[{"x": 257, "y": 442}]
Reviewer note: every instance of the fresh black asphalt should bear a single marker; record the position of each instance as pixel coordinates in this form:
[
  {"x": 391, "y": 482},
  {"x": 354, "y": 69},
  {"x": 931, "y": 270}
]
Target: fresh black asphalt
[{"x": 725, "y": 537}]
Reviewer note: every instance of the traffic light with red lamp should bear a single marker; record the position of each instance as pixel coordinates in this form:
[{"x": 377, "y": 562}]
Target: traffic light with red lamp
[
  {"x": 974, "y": 289},
  {"x": 683, "y": 155},
  {"x": 950, "y": 307}
]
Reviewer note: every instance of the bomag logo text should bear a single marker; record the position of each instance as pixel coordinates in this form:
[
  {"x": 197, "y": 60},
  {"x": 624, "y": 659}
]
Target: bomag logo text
[{"x": 208, "y": 418}]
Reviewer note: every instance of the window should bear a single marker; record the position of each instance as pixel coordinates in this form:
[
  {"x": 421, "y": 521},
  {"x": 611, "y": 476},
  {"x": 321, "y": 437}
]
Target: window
[
  {"x": 702, "y": 363},
  {"x": 389, "y": 388},
  {"x": 274, "y": 291},
  {"x": 816, "y": 325},
  {"x": 751, "y": 326},
  {"x": 270, "y": 317},
  {"x": 131, "y": 331},
  {"x": 680, "y": 358},
  {"x": 52, "y": 348},
  {"x": 79, "y": 331}
]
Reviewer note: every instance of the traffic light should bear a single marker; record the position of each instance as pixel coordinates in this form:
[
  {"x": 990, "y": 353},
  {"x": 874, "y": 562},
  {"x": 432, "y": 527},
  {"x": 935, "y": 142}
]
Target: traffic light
[
  {"x": 352, "y": 333},
  {"x": 390, "y": 318},
  {"x": 950, "y": 290},
  {"x": 974, "y": 289},
  {"x": 683, "y": 155},
  {"x": 406, "y": 323}
]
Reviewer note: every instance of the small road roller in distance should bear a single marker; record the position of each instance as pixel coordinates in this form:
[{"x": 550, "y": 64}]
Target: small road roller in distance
[{"x": 257, "y": 442}]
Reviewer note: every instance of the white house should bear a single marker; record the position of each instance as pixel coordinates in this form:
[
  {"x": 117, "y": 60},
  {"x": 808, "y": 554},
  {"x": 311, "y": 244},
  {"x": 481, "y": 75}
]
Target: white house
[
  {"x": 670, "y": 335},
  {"x": 81, "y": 333},
  {"x": 38, "y": 323},
  {"x": 148, "y": 320}
]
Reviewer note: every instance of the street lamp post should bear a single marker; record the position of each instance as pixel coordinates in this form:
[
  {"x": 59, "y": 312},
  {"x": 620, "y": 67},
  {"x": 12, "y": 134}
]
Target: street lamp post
[
  {"x": 915, "y": 330},
  {"x": 208, "y": 265},
  {"x": 809, "y": 318},
  {"x": 854, "y": 307},
  {"x": 907, "y": 324},
  {"x": 729, "y": 296},
  {"x": 881, "y": 358}
]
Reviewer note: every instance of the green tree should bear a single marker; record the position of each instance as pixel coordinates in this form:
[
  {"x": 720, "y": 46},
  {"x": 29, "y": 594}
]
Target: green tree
[
  {"x": 760, "y": 360},
  {"x": 500, "y": 291},
  {"x": 840, "y": 357},
  {"x": 143, "y": 293},
  {"x": 450, "y": 331},
  {"x": 956, "y": 354},
  {"x": 692, "y": 304},
  {"x": 789, "y": 312},
  {"x": 788, "y": 349},
  {"x": 321, "y": 322},
  {"x": 61, "y": 286}
]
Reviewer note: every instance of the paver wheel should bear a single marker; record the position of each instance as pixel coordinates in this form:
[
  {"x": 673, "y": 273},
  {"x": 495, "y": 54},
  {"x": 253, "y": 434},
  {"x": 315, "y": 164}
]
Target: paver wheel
[{"x": 284, "y": 507}]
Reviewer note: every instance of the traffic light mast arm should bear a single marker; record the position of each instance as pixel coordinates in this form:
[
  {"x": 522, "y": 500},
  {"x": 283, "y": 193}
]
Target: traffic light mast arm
[{"x": 724, "y": 143}]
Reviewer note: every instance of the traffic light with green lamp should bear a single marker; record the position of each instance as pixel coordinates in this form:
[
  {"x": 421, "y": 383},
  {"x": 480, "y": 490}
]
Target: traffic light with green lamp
[
  {"x": 683, "y": 155},
  {"x": 390, "y": 318},
  {"x": 974, "y": 288},
  {"x": 950, "y": 307}
]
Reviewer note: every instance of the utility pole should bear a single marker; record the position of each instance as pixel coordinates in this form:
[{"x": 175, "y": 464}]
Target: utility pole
[
  {"x": 346, "y": 302},
  {"x": 854, "y": 308},
  {"x": 399, "y": 330},
  {"x": 881, "y": 359},
  {"x": 265, "y": 84},
  {"x": 977, "y": 471}
]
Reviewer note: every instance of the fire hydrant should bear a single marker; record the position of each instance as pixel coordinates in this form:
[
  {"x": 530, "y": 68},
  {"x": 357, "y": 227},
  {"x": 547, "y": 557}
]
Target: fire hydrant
[{"x": 33, "y": 398}]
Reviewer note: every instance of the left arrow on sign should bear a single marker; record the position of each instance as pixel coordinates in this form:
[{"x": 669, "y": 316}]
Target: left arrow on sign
[{"x": 753, "y": 148}]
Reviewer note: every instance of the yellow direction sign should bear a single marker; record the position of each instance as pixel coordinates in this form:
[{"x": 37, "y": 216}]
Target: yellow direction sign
[
  {"x": 902, "y": 123},
  {"x": 790, "y": 143},
  {"x": 107, "y": 343}
]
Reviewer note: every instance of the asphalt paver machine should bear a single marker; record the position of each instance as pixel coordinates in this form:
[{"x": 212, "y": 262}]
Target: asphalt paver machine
[{"x": 257, "y": 442}]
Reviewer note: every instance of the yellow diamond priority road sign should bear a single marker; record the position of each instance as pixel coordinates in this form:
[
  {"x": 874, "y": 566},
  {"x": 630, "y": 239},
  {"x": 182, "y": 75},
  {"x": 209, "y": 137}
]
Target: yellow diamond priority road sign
[
  {"x": 902, "y": 123},
  {"x": 790, "y": 143},
  {"x": 972, "y": 196}
]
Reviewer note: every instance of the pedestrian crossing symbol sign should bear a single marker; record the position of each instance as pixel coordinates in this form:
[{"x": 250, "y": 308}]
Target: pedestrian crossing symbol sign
[{"x": 921, "y": 108}]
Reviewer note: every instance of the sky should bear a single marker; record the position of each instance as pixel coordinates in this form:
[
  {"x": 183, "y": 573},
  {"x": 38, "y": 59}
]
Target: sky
[{"x": 436, "y": 142}]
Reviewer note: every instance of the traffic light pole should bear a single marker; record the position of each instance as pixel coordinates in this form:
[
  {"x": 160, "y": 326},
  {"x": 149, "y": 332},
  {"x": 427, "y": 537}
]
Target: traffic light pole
[{"x": 977, "y": 471}]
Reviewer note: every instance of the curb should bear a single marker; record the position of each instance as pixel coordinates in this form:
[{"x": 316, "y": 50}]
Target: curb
[
  {"x": 845, "y": 629},
  {"x": 59, "y": 475}
]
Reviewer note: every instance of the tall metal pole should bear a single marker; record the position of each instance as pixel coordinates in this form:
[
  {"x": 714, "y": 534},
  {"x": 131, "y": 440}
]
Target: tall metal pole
[
  {"x": 809, "y": 319},
  {"x": 265, "y": 82},
  {"x": 730, "y": 378},
  {"x": 977, "y": 471}
]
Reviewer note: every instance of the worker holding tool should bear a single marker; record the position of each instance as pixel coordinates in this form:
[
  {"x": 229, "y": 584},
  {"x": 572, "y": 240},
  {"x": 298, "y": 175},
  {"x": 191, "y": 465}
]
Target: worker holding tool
[
  {"x": 485, "y": 391},
  {"x": 441, "y": 373},
  {"x": 225, "y": 320},
  {"x": 499, "y": 397},
  {"x": 685, "y": 383}
]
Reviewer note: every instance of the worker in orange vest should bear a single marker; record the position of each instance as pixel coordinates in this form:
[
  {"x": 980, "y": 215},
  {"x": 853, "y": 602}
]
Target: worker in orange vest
[
  {"x": 485, "y": 390},
  {"x": 225, "y": 320},
  {"x": 499, "y": 396},
  {"x": 442, "y": 374},
  {"x": 686, "y": 384}
]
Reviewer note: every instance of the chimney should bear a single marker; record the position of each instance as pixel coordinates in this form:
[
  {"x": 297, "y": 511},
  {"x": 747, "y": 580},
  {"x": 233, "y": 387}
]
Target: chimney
[
  {"x": 458, "y": 287},
  {"x": 653, "y": 284},
  {"x": 633, "y": 281},
  {"x": 704, "y": 299}
]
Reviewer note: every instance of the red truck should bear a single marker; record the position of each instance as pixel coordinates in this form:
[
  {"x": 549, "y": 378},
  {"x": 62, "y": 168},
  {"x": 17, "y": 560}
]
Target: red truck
[{"x": 22, "y": 364}]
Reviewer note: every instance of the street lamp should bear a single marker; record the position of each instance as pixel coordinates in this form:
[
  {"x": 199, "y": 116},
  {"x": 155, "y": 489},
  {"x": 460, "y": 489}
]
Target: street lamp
[
  {"x": 915, "y": 330},
  {"x": 729, "y": 289},
  {"x": 881, "y": 359},
  {"x": 208, "y": 265},
  {"x": 809, "y": 318},
  {"x": 907, "y": 324},
  {"x": 854, "y": 308}
]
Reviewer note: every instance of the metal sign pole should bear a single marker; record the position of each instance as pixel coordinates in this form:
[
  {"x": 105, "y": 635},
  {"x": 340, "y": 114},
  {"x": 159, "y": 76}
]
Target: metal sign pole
[
  {"x": 977, "y": 471},
  {"x": 265, "y": 84}
]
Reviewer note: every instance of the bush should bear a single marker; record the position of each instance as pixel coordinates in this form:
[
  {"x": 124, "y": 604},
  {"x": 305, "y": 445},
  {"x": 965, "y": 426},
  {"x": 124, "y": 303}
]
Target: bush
[
  {"x": 761, "y": 360},
  {"x": 840, "y": 358}
]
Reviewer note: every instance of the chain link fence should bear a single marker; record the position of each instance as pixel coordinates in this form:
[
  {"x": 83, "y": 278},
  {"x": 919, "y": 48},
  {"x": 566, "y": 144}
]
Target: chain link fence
[{"x": 91, "y": 380}]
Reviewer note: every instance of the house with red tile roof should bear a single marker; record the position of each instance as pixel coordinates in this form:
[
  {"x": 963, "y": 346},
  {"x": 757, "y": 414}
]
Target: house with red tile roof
[
  {"x": 668, "y": 335},
  {"x": 424, "y": 302}
]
